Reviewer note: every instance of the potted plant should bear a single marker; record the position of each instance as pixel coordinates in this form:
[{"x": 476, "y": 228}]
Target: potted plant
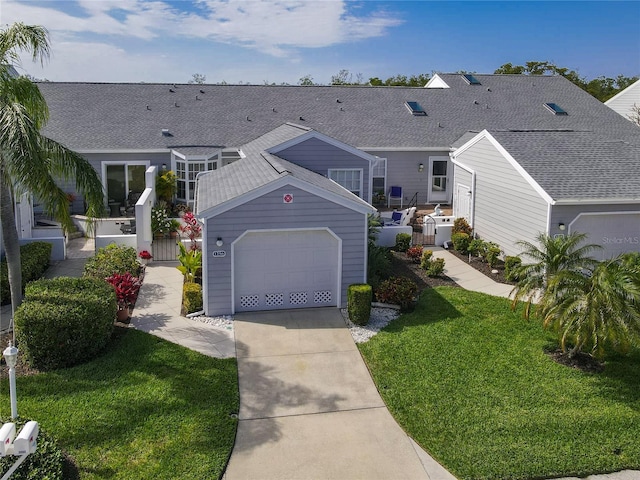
[
  {"x": 174, "y": 227},
  {"x": 126, "y": 287},
  {"x": 160, "y": 222},
  {"x": 145, "y": 256}
]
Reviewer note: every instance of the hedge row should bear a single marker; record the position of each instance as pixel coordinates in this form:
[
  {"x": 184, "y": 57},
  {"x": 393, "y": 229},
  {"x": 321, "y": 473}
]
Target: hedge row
[
  {"x": 65, "y": 321},
  {"x": 35, "y": 258}
]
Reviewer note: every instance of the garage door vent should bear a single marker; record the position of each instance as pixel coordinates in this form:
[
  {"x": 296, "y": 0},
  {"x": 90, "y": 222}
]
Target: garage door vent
[
  {"x": 274, "y": 299},
  {"x": 249, "y": 301},
  {"x": 298, "y": 298},
  {"x": 322, "y": 297}
]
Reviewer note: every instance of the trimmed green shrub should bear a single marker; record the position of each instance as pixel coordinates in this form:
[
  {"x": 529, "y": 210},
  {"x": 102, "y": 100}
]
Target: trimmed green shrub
[
  {"x": 426, "y": 259},
  {"x": 34, "y": 260},
  {"x": 460, "y": 225},
  {"x": 478, "y": 247},
  {"x": 48, "y": 461},
  {"x": 359, "y": 297},
  {"x": 511, "y": 265},
  {"x": 113, "y": 259},
  {"x": 65, "y": 321},
  {"x": 415, "y": 253},
  {"x": 192, "y": 297},
  {"x": 436, "y": 267},
  {"x": 492, "y": 253},
  {"x": 403, "y": 242},
  {"x": 461, "y": 242},
  {"x": 398, "y": 291}
]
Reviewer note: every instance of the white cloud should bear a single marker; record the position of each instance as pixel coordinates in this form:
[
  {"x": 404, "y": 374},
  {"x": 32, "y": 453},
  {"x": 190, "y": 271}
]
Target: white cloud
[{"x": 275, "y": 27}]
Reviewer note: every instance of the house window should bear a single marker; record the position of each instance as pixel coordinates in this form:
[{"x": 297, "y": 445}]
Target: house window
[
  {"x": 379, "y": 176},
  {"x": 415, "y": 108},
  {"x": 470, "y": 79},
  {"x": 186, "y": 173},
  {"x": 439, "y": 175},
  {"x": 351, "y": 179},
  {"x": 122, "y": 180},
  {"x": 555, "y": 108}
]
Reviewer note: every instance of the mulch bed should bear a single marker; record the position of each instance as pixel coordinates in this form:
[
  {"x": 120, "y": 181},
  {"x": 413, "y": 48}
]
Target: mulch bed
[
  {"x": 580, "y": 361},
  {"x": 484, "y": 268},
  {"x": 402, "y": 266}
]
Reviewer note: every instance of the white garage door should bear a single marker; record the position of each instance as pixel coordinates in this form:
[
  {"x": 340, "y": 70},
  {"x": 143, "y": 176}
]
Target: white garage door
[
  {"x": 616, "y": 232},
  {"x": 286, "y": 269}
]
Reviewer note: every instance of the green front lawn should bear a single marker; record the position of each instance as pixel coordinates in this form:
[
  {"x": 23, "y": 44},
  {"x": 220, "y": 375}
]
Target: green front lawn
[
  {"x": 469, "y": 380},
  {"x": 146, "y": 409}
]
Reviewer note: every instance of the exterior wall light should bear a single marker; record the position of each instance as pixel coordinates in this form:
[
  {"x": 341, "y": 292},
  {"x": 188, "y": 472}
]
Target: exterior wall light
[
  {"x": 561, "y": 226},
  {"x": 420, "y": 167},
  {"x": 219, "y": 242}
]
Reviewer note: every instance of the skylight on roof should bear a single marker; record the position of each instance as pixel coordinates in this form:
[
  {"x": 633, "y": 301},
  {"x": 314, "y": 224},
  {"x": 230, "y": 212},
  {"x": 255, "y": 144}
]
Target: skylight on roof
[
  {"x": 555, "y": 108},
  {"x": 471, "y": 80},
  {"x": 415, "y": 108}
]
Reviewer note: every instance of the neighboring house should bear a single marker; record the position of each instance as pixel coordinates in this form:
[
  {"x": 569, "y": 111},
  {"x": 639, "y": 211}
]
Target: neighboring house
[
  {"x": 512, "y": 185},
  {"x": 624, "y": 102},
  {"x": 515, "y": 154}
]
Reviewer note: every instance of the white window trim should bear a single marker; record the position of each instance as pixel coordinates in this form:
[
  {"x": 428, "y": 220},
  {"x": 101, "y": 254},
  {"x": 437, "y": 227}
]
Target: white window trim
[
  {"x": 104, "y": 165},
  {"x": 360, "y": 170}
]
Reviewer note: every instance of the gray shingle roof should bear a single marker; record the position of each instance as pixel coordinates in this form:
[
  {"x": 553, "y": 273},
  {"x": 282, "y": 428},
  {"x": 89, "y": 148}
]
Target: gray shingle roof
[
  {"x": 258, "y": 169},
  {"x": 576, "y": 165},
  {"x": 95, "y": 116}
]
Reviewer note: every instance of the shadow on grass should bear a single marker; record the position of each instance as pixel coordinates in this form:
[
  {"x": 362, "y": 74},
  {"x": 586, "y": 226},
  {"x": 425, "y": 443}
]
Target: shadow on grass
[
  {"x": 432, "y": 307},
  {"x": 620, "y": 380},
  {"x": 141, "y": 393}
]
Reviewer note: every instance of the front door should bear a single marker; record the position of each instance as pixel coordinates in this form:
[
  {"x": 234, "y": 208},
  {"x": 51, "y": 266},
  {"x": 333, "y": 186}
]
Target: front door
[
  {"x": 438, "y": 180},
  {"x": 462, "y": 202}
]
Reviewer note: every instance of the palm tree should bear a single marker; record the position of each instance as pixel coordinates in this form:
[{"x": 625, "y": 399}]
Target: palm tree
[
  {"x": 29, "y": 161},
  {"x": 563, "y": 253},
  {"x": 593, "y": 310}
]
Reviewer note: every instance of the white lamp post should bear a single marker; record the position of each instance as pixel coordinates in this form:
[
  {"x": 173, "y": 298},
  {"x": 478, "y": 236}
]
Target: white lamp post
[{"x": 11, "y": 357}]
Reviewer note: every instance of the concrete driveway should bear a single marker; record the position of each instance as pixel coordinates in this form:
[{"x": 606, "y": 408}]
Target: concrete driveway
[{"x": 309, "y": 408}]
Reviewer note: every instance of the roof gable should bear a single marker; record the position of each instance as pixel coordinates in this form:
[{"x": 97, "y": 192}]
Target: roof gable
[
  {"x": 570, "y": 166},
  {"x": 262, "y": 172}
]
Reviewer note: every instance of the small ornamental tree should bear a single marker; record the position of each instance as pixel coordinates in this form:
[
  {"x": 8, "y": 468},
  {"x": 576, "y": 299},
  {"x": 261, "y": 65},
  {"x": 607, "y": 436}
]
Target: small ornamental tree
[{"x": 191, "y": 229}]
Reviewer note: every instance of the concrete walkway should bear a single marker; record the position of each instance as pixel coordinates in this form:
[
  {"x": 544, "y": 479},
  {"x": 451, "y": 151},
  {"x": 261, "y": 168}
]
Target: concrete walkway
[
  {"x": 157, "y": 312},
  {"x": 468, "y": 277},
  {"x": 309, "y": 408}
]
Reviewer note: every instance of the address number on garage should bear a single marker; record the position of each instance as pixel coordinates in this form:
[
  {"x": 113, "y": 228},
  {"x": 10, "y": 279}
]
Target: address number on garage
[{"x": 219, "y": 253}]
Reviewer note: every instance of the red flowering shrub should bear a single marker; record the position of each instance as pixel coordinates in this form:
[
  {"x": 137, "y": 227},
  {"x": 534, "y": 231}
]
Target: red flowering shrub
[
  {"x": 145, "y": 255},
  {"x": 398, "y": 291},
  {"x": 126, "y": 287},
  {"x": 415, "y": 253}
]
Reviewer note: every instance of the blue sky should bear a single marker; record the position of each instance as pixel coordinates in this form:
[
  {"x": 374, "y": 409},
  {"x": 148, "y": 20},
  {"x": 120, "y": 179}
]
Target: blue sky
[{"x": 283, "y": 40}]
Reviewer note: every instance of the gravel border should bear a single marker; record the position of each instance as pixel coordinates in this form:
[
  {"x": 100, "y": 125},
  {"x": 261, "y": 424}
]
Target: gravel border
[
  {"x": 380, "y": 318},
  {"x": 224, "y": 322}
]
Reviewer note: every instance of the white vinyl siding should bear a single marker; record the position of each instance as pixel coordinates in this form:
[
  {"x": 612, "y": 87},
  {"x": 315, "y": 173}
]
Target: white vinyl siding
[
  {"x": 321, "y": 157},
  {"x": 507, "y": 208}
]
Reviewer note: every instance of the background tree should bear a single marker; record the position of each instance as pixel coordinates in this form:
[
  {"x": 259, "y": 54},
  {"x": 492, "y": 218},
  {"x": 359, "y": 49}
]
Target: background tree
[
  {"x": 345, "y": 77},
  {"x": 29, "y": 161},
  {"x": 198, "y": 78},
  {"x": 401, "y": 81},
  {"x": 306, "y": 81},
  {"x": 602, "y": 88},
  {"x": 634, "y": 116}
]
